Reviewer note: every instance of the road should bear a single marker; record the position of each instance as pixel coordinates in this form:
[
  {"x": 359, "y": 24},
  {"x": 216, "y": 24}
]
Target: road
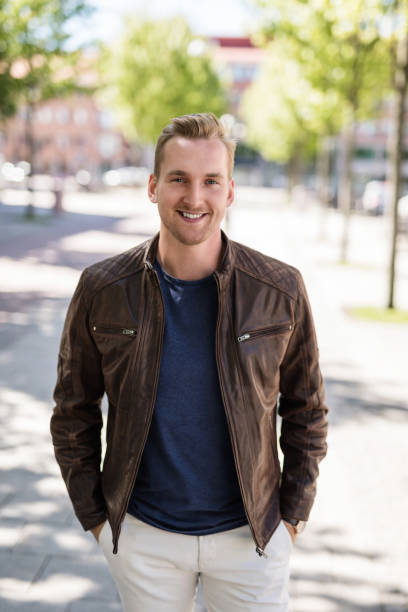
[{"x": 354, "y": 552}]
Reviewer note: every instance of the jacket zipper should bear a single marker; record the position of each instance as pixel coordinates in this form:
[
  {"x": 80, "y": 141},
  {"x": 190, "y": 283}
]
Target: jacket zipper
[
  {"x": 149, "y": 420},
  {"x": 125, "y": 331},
  {"x": 266, "y": 331},
  {"x": 258, "y": 549}
]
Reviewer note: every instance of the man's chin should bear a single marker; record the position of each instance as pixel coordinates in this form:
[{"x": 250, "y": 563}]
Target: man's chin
[{"x": 191, "y": 238}]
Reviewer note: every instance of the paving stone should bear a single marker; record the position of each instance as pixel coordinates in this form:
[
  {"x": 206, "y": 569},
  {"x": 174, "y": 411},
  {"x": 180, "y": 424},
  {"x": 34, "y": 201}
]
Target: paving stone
[
  {"x": 67, "y": 579},
  {"x": 36, "y": 507},
  {"x": 199, "y": 602},
  {"x": 313, "y": 604},
  {"x": 85, "y": 605},
  {"x": 54, "y": 539},
  {"x": 394, "y": 601},
  {"x": 8, "y": 603},
  {"x": 6, "y": 491},
  {"x": 18, "y": 570},
  {"x": 10, "y": 532}
]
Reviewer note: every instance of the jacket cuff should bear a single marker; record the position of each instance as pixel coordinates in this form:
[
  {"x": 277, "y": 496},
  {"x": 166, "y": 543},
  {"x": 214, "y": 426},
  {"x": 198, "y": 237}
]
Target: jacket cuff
[
  {"x": 90, "y": 521},
  {"x": 295, "y": 507}
]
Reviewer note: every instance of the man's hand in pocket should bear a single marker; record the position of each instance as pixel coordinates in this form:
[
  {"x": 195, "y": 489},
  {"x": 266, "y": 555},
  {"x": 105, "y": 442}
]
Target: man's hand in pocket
[{"x": 97, "y": 530}]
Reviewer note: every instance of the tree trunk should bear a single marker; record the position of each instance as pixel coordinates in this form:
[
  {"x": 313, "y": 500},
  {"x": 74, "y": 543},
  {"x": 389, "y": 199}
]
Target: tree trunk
[
  {"x": 29, "y": 212},
  {"x": 345, "y": 194},
  {"x": 401, "y": 74},
  {"x": 293, "y": 173},
  {"x": 323, "y": 187},
  {"x": 323, "y": 171}
]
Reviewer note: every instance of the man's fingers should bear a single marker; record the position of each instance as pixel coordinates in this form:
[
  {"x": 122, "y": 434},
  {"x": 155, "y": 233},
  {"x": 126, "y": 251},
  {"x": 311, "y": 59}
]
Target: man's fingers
[
  {"x": 97, "y": 530},
  {"x": 292, "y": 530}
]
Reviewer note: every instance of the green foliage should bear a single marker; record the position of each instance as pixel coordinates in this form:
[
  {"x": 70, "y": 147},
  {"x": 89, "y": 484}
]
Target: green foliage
[
  {"x": 150, "y": 77},
  {"x": 327, "y": 64},
  {"x": 382, "y": 315},
  {"x": 284, "y": 113},
  {"x": 35, "y": 63}
]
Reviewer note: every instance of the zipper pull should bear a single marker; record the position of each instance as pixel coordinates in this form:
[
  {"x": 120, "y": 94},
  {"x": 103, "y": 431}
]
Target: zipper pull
[
  {"x": 244, "y": 337},
  {"x": 129, "y": 332},
  {"x": 260, "y": 552}
]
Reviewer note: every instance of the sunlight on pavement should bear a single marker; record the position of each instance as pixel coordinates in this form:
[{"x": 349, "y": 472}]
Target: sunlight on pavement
[
  {"x": 90, "y": 242},
  {"x": 31, "y": 275},
  {"x": 58, "y": 588}
]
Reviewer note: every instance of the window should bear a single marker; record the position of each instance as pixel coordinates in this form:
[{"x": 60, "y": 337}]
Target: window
[
  {"x": 44, "y": 115},
  {"x": 367, "y": 127},
  {"x": 62, "y": 115},
  {"x": 108, "y": 144},
  {"x": 386, "y": 126},
  {"x": 81, "y": 116},
  {"x": 62, "y": 141},
  {"x": 106, "y": 120},
  {"x": 361, "y": 153}
]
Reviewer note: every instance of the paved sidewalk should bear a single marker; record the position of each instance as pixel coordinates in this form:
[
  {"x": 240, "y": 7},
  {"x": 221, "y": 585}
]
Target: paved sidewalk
[{"x": 354, "y": 553}]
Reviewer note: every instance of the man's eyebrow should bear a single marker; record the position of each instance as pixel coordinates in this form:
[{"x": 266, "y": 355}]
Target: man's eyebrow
[
  {"x": 171, "y": 172},
  {"x": 183, "y": 173}
]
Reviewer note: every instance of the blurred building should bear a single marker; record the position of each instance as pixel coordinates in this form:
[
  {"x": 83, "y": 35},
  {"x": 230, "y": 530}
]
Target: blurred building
[
  {"x": 371, "y": 158},
  {"x": 373, "y": 143},
  {"x": 69, "y": 135},
  {"x": 239, "y": 62}
]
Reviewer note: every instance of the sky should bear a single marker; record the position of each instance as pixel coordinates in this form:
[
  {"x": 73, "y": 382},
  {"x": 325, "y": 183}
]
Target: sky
[{"x": 208, "y": 17}]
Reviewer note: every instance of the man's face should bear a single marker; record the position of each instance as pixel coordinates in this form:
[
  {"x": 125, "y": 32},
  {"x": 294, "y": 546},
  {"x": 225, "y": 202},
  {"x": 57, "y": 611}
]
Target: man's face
[{"x": 193, "y": 190}]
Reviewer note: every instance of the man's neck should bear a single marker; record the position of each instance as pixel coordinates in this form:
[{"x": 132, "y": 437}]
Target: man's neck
[{"x": 189, "y": 262}]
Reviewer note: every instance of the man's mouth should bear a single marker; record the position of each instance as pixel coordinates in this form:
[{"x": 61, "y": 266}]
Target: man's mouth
[{"x": 188, "y": 215}]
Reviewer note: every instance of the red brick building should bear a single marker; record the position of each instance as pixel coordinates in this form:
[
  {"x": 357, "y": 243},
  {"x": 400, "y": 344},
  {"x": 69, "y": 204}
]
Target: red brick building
[
  {"x": 69, "y": 135},
  {"x": 238, "y": 62}
]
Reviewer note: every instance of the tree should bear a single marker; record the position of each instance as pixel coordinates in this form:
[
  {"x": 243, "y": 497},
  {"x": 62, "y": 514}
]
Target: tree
[
  {"x": 399, "y": 54},
  {"x": 284, "y": 113},
  {"x": 37, "y": 64},
  {"x": 340, "y": 50},
  {"x": 159, "y": 70},
  {"x": 9, "y": 87}
]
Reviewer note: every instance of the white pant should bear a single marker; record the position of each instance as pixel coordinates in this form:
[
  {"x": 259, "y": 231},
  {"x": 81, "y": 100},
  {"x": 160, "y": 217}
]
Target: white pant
[{"x": 158, "y": 571}]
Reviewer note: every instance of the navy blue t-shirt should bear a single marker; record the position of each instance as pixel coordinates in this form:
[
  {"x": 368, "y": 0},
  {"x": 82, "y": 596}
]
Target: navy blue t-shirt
[{"x": 187, "y": 480}]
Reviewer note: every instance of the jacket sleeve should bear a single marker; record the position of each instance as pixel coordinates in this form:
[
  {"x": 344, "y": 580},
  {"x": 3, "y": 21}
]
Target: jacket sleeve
[
  {"x": 303, "y": 411},
  {"x": 77, "y": 418}
]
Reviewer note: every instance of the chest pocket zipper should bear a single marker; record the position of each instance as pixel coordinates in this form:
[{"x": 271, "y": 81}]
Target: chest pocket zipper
[
  {"x": 124, "y": 331},
  {"x": 266, "y": 331}
]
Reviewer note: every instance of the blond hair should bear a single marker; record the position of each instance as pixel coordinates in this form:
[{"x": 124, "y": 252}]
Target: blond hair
[{"x": 199, "y": 125}]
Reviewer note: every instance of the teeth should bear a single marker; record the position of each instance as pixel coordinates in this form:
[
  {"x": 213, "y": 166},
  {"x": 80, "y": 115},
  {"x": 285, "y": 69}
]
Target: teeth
[{"x": 191, "y": 215}]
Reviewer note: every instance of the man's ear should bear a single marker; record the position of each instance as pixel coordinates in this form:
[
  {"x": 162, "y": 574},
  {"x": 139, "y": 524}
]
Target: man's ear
[
  {"x": 230, "y": 197},
  {"x": 152, "y": 189}
]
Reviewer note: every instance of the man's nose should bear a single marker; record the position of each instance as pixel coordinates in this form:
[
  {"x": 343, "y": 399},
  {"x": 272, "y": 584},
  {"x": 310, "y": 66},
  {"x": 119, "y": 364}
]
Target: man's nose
[{"x": 194, "y": 194}]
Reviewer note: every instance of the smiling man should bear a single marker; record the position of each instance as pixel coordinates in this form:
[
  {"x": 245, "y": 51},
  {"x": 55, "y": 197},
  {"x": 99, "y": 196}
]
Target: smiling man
[{"x": 198, "y": 342}]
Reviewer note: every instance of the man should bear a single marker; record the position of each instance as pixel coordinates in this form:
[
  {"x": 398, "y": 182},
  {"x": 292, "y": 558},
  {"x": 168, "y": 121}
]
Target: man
[{"x": 192, "y": 337}]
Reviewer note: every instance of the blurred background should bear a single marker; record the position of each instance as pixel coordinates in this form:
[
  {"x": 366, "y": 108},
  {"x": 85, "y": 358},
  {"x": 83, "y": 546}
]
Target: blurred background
[{"x": 315, "y": 95}]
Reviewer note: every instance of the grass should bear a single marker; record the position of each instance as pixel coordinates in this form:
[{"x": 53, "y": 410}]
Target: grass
[{"x": 382, "y": 315}]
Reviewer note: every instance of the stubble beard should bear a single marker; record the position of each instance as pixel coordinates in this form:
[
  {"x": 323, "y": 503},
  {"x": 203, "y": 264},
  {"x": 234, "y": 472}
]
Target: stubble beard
[{"x": 186, "y": 240}]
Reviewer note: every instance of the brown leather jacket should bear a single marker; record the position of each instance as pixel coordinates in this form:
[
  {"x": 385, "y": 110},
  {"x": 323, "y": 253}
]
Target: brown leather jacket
[{"x": 265, "y": 346}]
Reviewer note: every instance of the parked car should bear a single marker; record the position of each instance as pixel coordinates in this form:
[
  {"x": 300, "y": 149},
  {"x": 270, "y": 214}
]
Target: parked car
[
  {"x": 376, "y": 200},
  {"x": 14, "y": 173},
  {"x": 403, "y": 213},
  {"x": 128, "y": 176},
  {"x": 376, "y": 197}
]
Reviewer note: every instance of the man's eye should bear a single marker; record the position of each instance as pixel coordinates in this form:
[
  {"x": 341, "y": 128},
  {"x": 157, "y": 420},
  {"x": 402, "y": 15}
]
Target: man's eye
[
  {"x": 211, "y": 181},
  {"x": 178, "y": 179}
]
